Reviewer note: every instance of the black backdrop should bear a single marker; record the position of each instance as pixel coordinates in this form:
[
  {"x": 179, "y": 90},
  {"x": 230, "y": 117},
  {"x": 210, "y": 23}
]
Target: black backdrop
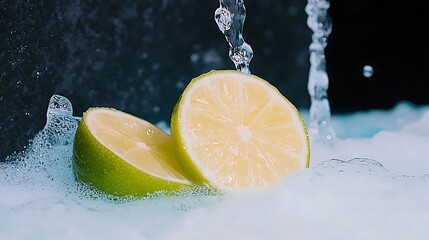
[
  {"x": 388, "y": 35},
  {"x": 137, "y": 56}
]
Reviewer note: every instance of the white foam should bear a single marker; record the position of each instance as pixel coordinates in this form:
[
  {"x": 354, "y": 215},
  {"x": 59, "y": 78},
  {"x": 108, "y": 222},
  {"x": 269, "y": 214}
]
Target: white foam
[{"x": 384, "y": 198}]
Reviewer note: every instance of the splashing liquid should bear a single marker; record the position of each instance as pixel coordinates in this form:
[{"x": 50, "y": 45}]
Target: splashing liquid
[
  {"x": 230, "y": 18},
  {"x": 320, "y": 114},
  {"x": 60, "y": 125}
]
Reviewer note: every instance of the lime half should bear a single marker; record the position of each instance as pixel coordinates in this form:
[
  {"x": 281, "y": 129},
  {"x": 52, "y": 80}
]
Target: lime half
[
  {"x": 235, "y": 130},
  {"x": 123, "y": 155}
]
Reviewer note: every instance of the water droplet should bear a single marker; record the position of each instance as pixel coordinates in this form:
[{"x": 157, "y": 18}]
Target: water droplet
[
  {"x": 22, "y": 48},
  {"x": 180, "y": 85},
  {"x": 194, "y": 57},
  {"x": 149, "y": 132},
  {"x": 223, "y": 18},
  {"x": 367, "y": 71}
]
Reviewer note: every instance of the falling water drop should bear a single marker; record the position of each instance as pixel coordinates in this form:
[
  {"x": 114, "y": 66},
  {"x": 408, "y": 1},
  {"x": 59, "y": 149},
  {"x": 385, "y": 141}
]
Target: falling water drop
[
  {"x": 156, "y": 109},
  {"x": 367, "y": 71}
]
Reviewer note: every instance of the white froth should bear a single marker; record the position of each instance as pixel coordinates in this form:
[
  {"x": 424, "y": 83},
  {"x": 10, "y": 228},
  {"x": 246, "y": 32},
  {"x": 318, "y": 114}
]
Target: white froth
[{"x": 377, "y": 188}]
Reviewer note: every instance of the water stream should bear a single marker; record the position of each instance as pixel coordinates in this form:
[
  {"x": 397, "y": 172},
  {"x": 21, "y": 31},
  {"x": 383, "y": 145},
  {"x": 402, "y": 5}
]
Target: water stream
[
  {"x": 318, "y": 81},
  {"x": 230, "y": 18}
]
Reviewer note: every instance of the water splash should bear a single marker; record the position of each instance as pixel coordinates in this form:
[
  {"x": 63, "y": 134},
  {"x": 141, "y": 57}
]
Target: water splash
[
  {"x": 230, "y": 18},
  {"x": 60, "y": 125},
  {"x": 45, "y": 164},
  {"x": 320, "y": 113}
]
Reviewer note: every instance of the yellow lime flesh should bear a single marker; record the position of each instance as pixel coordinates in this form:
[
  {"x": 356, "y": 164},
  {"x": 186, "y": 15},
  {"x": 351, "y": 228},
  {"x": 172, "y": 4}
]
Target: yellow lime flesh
[{"x": 235, "y": 130}]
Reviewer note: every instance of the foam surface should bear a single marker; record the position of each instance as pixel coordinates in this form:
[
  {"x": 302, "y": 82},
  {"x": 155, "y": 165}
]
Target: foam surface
[{"x": 372, "y": 187}]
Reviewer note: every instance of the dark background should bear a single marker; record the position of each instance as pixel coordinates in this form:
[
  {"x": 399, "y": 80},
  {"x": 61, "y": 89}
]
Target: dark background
[
  {"x": 388, "y": 35},
  {"x": 138, "y": 56}
]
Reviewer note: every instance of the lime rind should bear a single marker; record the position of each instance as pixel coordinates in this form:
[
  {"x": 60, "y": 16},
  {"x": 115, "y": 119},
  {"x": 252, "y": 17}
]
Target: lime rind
[{"x": 190, "y": 169}]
